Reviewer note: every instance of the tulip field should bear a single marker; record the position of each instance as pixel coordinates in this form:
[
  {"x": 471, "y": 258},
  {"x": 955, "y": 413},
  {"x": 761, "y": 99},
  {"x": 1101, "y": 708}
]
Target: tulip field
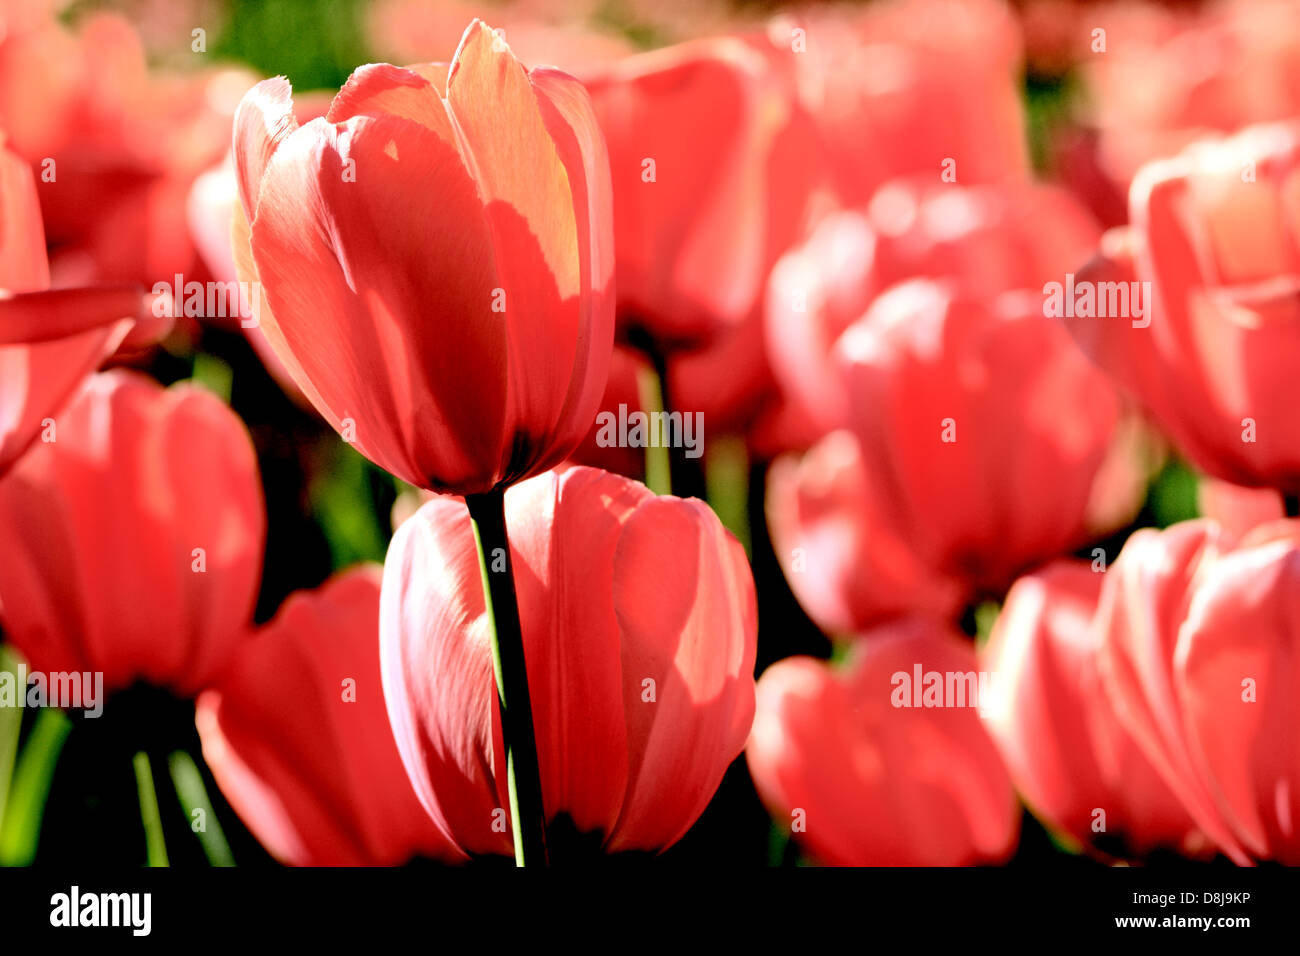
[{"x": 440, "y": 435}]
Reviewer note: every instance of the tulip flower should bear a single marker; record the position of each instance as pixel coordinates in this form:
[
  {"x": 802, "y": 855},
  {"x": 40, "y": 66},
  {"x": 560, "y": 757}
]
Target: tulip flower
[
  {"x": 116, "y": 144},
  {"x": 990, "y": 238},
  {"x": 843, "y": 559},
  {"x": 1197, "y": 652},
  {"x": 865, "y": 773},
  {"x": 694, "y": 238},
  {"x": 1071, "y": 759},
  {"x": 133, "y": 537},
  {"x": 297, "y": 736},
  {"x": 638, "y": 620},
  {"x": 436, "y": 256},
  {"x": 908, "y": 87},
  {"x": 982, "y": 427},
  {"x": 1213, "y": 249},
  {"x": 50, "y": 340},
  {"x": 1213, "y": 69}
]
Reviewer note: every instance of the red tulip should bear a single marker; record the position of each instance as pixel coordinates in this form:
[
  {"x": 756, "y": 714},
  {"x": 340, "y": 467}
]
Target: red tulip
[
  {"x": 50, "y": 340},
  {"x": 298, "y": 739},
  {"x": 639, "y": 624},
  {"x": 436, "y": 254},
  {"x": 1216, "y": 238},
  {"x": 1069, "y": 756},
  {"x": 846, "y": 563},
  {"x": 990, "y": 238},
  {"x": 983, "y": 428},
  {"x": 695, "y": 238},
  {"x": 916, "y": 86},
  {"x": 1169, "y": 76},
  {"x": 863, "y": 777},
  {"x": 134, "y": 538},
  {"x": 1197, "y": 651},
  {"x": 117, "y": 145}
]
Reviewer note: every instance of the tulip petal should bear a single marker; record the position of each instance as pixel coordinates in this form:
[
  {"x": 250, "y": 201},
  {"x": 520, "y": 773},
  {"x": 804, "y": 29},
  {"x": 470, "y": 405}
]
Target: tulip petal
[
  {"x": 32, "y": 317},
  {"x": 571, "y": 122},
  {"x": 1236, "y": 670},
  {"x": 262, "y": 121},
  {"x": 381, "y": 88},
  {"x": 530, "y": 208},
  {"x": 686, "y": 609},
  {"x": 23, "y": 265},
  {"x": 436, "y": 658},
  {"x": 564, "y": 567},
  {"x": 1146, "y": 589}
]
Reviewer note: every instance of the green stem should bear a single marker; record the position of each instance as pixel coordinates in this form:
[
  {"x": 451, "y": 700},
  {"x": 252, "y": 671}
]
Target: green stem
[
  {"x": 155, "y": 845},
  {"x": 194, "y": 796},
  {"x": 726, "y": 476},
  {"x": 527, "y": 815},
  {"x": 33, "y": 775},
  {"x": 11, "y": 721},
  {"x": 658, "y": 467}
]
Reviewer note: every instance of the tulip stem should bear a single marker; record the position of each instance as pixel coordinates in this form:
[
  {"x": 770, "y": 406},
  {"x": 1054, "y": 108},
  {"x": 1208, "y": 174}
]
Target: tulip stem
[
  {"x": 658, "y": 467},
  {"x": 150, "y": 815},
  {"x": 527, "y": 815},
  {"x": 684, "y": 479}
]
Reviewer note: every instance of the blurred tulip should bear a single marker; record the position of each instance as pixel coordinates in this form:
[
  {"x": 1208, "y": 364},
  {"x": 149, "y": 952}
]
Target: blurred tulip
[
  {"x": 990, "y": 238},
  {"x": 1197, "y": 652},
  {"x": 1216, "y": 241},
  {"x": 1070, "y": 758},
  {"x": 1165, "y": 77},
  {"x": 695, "y": 239},
  {"x": 479, "y": 190},
  {"x": 983, "y": 429},
  {"x": 638, "y": 621},
  {"x": 133, "y": 537},
  {"x": 50, "y": 340},
  {"x": 117, "y": 144},
  {"x": 864, "y": 781},
  {"x": 913, "y": 86},
  {"x": 846, "y": 563},
  {"x": 298, "y": 739}
]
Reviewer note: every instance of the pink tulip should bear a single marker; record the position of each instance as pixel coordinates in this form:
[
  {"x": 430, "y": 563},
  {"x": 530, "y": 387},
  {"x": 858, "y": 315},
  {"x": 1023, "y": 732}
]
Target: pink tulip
[
  {"x": 864, "y": 775},
  {"x": 1215, "y": 244},
  {"x": 436, "y": 256},
  {"x": 1196, "y": 633},
  {"x": 1071, "y": 759},
  {"x": 298, "y": 739},
  {"x": 638, "y": 623}
]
